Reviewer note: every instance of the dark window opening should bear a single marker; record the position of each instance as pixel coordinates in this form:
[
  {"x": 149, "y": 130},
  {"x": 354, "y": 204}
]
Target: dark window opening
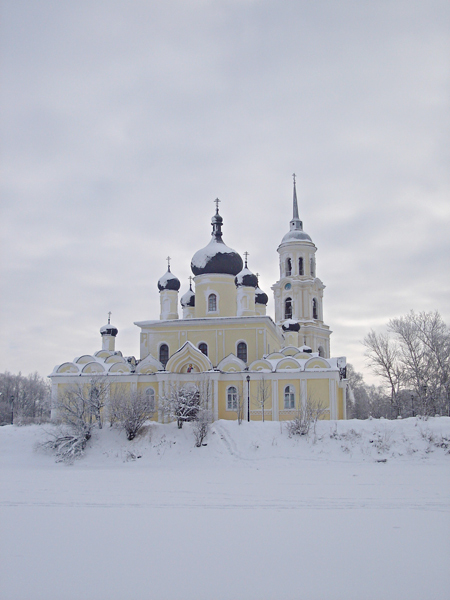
[
  {"x": 212, "y": 303},
  {"x": 163, "y": 354},
  {"x": 314, "y": 307},
  {"x": 242, "y": 351},
  {"x": 288, "y": 267},
  {"x": 288, "y": 308},
  {"x": 301, "y": 270},
  {"x": 203, "y": 348}
]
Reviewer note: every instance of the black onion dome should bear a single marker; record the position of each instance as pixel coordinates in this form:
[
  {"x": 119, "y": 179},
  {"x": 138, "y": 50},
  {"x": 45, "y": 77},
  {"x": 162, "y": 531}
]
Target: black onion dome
[
  {"x": 188, "y": 299},
  {"x": 246, "y": 278},
  {"x": 291, "y": 325},
  {"x": 109, "y": 330},
  {"x": 261, "y": 297},
  {"x": 216, "y": 257},
  {"x": 169, "y": 282}
]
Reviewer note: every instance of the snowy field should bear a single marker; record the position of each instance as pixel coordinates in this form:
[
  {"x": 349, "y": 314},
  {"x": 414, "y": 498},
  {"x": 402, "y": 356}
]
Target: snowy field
[{"x": 361, "y": 511}]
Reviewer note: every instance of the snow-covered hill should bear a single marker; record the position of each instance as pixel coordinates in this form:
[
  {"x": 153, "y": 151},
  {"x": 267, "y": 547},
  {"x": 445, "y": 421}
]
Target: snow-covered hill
[{"x": 359, "y": 510}]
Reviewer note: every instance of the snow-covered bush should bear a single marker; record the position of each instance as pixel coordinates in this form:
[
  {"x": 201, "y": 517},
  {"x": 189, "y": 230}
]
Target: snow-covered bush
[{"x": 181, "y": 404}]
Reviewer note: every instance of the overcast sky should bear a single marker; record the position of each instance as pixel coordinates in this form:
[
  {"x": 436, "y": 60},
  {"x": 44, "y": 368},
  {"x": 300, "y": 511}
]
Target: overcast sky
[{"x": 122, "y": 121}]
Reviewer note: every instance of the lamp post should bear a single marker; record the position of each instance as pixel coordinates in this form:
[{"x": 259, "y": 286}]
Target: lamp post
[
  {"x": 11, "y": 400},
  {"x": 248, "y": 398}
]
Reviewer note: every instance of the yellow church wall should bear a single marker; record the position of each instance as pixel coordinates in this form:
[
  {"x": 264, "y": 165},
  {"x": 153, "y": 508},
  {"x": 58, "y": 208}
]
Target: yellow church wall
[
  {"x": 318, "y": 392},
  {"x": 340, "y": 403},
  {"x": 287, "y": 414},
  {"x": 223, "y": 287}
]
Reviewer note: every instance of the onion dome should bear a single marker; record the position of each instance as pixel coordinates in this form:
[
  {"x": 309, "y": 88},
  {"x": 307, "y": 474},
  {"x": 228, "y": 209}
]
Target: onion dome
[
  {"x": 246, "y": 277},
  {"x": 216, "y": 257},
  {"x": 188, "y": 299},
  {"x": 291, "y": 325},
  {"x": 169, "y": 282},
  {"x": 261, "y": 297},
  {"x": 109, "y": 329},
  {"x": 296, "y": 233}
]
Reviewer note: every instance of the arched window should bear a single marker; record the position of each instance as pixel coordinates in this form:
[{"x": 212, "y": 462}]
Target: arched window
[
  {"x": 312, "y": 266},
  {"x": 163, "y": 354},
  {"x": 288, "y": 267},
  {"x": 289, "y": 397},
  {"x": 242, "y": 351},
  {"x": 288, "y": 308},
  {"x": 212, "y": 303},
  {"x": 232, "y": 398},
  {"x": 321, "y": 351},
  {"x": 150, "y": 394},
  {"x": 203, "y": 348},
  {"x": 314, "y": 307},
  {"x": 301, "y": 269}
]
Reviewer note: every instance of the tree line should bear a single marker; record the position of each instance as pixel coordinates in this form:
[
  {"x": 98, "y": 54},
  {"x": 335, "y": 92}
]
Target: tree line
[
  {"x": 412, "y": 361},
  {"x": 24, "y": 399}
]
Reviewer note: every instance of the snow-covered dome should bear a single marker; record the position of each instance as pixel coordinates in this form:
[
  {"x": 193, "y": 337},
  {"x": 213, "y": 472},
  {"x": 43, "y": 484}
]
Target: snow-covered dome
[
  {"x": 188, "y": 299},
  {"x": 291, "y": 325},
  {"x": 109, "y": 330},
  {"x": 246, "y": 278},
  {"x": 169, "y": 282},
  {"x": 216, "y": 257},
  {"x": 261, "y": 297}
]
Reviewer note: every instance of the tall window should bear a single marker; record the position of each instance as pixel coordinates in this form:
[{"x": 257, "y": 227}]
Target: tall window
[
  {"x": 232, "y": 398},
  {"x": 301, "y": 269},
  {"x": 288, "y": 267},
  {"x": 321, "y": 351},
  {"x": 163, "y": 354},
  {"x": 289, "y": 397},
  {"x": 203, "y": 348},
  {"x": 212, "y": 303},
  {"x": 312, "y": 266},
  {"x": 288, "y": 308},
  {"x": 150, "y": 393},
  {"x": 242, "y": 351},
  {"x": 314, "y": 307}
]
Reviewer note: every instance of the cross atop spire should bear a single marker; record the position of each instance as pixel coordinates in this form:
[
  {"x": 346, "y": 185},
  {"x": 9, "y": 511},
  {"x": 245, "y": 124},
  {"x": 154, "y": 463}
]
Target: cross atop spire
[
  {"x": 216, "y": 201},
  {"x": 246, "y": 256},
  {"x": 190, "y": 282},
  {"x": 168, "y": 263},
  {"x": 109, "y": 317}
]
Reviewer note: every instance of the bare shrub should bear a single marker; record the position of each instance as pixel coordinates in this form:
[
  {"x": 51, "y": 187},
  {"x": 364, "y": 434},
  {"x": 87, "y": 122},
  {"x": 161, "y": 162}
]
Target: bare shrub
[
  {"x": 181, "y": 404},
  {"x": 131, "y": 411},
  {"x": 201, "y": 425},
  {"x": 307, "y": 416}
]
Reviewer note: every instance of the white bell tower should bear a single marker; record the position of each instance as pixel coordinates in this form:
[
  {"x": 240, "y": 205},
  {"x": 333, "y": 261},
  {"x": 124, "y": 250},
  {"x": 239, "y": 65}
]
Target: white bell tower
[{"x": 299, "y": 292}]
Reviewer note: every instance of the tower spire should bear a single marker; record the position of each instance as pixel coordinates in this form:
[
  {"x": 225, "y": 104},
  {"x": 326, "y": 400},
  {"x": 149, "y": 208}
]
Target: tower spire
[
  {"x": 216, "y": 222},
  {"x": 295, "y": 203}
]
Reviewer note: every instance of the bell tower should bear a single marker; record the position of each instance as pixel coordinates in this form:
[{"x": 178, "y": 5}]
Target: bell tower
[{"x": 299, "y": 292}]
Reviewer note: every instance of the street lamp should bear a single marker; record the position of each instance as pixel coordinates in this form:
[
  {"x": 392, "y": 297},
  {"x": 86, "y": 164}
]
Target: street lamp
[
  {"x": 11, "y": 400},
  {"x": 248, "y": 398}
]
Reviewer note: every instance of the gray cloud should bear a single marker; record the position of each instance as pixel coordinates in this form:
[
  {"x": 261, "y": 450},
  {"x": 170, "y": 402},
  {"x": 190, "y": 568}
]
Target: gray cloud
[{"x": 121, "y": 122}]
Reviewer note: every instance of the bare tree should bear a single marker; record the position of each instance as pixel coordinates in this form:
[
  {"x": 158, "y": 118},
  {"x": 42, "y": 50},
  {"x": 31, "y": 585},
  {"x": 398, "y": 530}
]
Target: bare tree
[
  {"x": 181, "y": 403},
  {"x": 383, "y": 357},
  {"x": 131, "y": 411},
  {"x": 24, "y": 399},
  {"x": 263, "y": 394}
]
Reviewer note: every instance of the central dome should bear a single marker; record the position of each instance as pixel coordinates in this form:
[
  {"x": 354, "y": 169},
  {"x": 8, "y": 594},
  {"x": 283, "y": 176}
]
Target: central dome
[{"x": 216, "y": 257}]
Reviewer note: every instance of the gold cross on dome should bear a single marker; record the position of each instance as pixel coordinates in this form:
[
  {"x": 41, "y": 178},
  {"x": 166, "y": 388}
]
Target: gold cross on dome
[{"x": 217, "y": 203}]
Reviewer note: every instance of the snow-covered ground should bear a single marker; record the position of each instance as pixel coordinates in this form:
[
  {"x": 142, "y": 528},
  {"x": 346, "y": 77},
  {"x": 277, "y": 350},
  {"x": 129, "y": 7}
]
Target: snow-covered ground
[{"x": 252, "y": 515}]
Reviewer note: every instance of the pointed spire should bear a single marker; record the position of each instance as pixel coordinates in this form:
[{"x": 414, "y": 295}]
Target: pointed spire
[
  {"x": 295, "y": 211},
  {"x": 246, "y": 256},
  {"x": 216, "y": 222}
]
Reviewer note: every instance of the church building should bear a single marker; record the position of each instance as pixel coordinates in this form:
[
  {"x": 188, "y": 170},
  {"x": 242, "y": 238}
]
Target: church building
[{"x": 252, "y": 364}]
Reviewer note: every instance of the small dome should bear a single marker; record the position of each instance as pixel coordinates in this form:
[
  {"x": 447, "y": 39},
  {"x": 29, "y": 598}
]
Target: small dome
[
  {"x": 188, "y": 299},
  {"x": 216, "y": 257},
  {"x": 261, "y": 297},
  {"x": 246, "y": 278},
  {"x": 296, "y": 235},
  {"x": 291, "y": 325},
  {"x": 109, "y": 330},
  {"x": 169, "y": 282}
]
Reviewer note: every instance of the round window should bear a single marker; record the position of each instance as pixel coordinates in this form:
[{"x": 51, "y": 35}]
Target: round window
[{"x": 287, "y": 286}]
